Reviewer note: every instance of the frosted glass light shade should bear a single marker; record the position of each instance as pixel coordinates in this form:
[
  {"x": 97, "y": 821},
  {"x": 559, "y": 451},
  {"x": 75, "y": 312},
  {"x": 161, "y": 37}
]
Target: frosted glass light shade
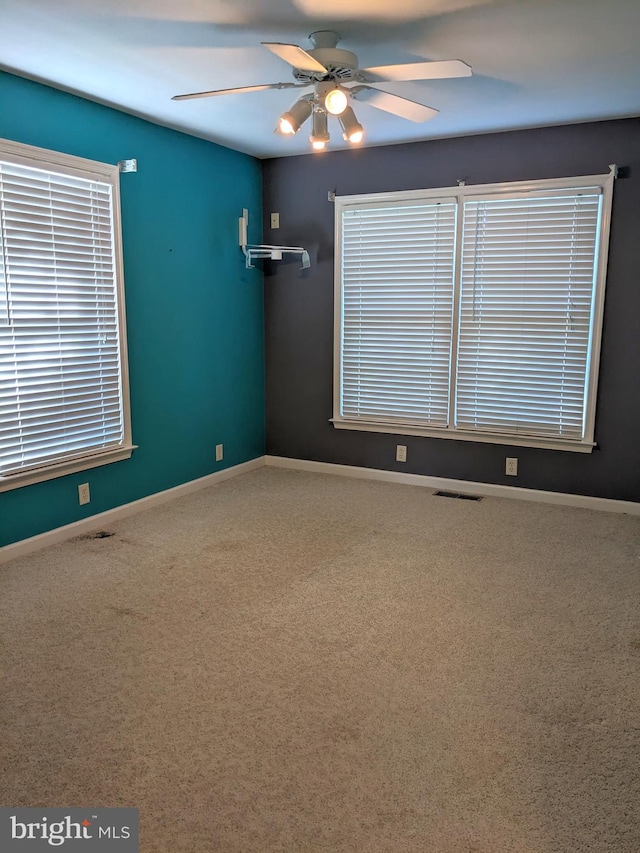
[{"x": 336, "y": 102}]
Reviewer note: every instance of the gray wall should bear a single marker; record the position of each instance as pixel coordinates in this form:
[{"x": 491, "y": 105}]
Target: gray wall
[{"x": 299, "y": 305}]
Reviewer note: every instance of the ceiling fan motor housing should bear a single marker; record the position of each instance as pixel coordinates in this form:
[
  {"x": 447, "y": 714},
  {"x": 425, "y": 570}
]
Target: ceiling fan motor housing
[{"x": 340, "y": 64}]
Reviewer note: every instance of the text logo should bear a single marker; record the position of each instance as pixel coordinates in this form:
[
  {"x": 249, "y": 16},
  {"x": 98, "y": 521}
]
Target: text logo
[{"x": 87, "y": 830}]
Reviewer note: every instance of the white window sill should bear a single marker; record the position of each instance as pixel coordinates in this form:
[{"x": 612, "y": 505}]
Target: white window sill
[
  {"x": 61, "y": 469},
  {"x": 547, "y": 443}
]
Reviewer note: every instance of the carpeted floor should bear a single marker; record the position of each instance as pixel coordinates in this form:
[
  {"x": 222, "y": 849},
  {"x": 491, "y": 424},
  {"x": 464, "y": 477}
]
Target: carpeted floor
[{"x": 300, "y": 662}]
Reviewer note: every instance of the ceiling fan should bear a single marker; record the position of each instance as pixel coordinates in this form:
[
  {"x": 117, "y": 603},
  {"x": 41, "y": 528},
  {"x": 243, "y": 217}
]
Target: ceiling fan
[{"x": 336, "y": 80}]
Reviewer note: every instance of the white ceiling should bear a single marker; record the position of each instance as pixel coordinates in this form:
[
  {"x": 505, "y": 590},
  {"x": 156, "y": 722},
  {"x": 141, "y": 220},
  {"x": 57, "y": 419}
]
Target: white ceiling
[{"x": 535, "y": 62}]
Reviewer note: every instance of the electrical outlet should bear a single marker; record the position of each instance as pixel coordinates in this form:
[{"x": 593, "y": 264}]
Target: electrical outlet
[
  {"x": 275, "y": 220},
  {"x": 84, "y": 495},
  {"x": 401, "y": 453},
  {"x": 511, "y": 467},
  {"x": 219, "y": 452}
]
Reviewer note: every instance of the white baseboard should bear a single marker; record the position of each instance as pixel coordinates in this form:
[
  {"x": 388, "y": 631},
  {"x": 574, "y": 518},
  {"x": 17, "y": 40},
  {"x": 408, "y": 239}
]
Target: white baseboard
[
  {"x": 463, "y": 486},
  {"x": 103, "y": 519}
]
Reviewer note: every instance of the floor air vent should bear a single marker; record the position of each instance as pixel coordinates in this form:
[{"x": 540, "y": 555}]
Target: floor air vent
[{"x": 456, "y": 495}]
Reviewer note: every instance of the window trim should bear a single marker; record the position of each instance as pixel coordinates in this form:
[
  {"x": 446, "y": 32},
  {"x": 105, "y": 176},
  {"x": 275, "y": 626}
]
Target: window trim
[
  {"x": 460, "y": 193},
  {"x": 29, "y": 155}
]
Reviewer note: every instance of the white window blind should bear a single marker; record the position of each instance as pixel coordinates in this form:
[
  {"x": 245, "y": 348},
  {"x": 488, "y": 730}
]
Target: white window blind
[
  {"x": 474, "y": 312},
  {"x": 397, "y": 278},
  {"x": 61, "y": 375},
  {"x": 528, "y": 274}
]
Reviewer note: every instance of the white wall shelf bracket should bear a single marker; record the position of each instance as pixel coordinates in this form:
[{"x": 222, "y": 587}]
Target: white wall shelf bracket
[
  {"x": 274, "y": 253},
  {"x": 258, "y": 251}
]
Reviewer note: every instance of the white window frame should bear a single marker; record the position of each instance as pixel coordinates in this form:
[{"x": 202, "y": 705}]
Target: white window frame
[
  {"x": 41, "y": 158},
  {"x": 460, "y": 194}
]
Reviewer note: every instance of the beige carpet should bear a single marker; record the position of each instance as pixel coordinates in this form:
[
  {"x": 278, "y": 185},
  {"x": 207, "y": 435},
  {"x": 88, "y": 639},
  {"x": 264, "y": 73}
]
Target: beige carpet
[{"x": 297, "y": 662}]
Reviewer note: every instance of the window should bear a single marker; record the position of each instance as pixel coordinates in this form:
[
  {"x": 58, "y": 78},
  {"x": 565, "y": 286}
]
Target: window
[
  {"x": 63, "y": 379},
  {"x": 473, "y": 313}
]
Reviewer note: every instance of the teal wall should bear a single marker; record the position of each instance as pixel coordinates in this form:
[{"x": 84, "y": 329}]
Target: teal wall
[{"x": 194, "y": 313}]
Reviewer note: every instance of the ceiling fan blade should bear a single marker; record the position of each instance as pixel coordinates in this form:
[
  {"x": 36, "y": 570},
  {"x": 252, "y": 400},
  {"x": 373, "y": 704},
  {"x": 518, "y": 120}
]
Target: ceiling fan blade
[
  {"x": 295, "y": 56},
  {"x": 236, "y": 91},
  {"x": 403, "y": 107},
  {"x": 438, "y": 70}
]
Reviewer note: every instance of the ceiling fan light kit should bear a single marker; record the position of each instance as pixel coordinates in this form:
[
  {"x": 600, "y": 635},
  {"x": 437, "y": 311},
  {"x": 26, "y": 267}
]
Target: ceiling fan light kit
[
  {"x": 292, "y": 121},
  {"x": 320, "y": 131},
  {"x": 337, "y": 79},
  {"x": 336, "y": 101},
  {"x": 328, "y": 99},
  {"x": 352, "y": 130}
]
